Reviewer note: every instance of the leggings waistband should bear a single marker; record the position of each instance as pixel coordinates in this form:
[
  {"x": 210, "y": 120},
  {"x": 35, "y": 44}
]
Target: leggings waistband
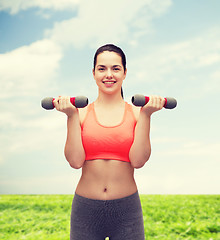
[{"x": 126, "y": 199}]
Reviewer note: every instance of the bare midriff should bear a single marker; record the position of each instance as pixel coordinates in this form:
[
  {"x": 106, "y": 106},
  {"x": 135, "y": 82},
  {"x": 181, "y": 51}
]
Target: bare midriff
[{"x": 106, "y": 180}]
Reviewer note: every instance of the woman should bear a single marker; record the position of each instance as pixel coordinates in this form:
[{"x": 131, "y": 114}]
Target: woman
[{"x": 108, "y": 139}]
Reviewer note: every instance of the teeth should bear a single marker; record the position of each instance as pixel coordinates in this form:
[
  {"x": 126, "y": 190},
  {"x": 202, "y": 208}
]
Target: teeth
[{"x": 109, "y": 82}]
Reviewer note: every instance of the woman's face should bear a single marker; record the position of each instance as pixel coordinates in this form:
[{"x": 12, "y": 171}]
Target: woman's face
[{"x": 109, "y": 72}]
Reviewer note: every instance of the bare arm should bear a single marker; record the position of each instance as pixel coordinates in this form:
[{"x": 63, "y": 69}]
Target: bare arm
[
  {"x": 141, "y": 148},
  {"x": 74, "y": 151}
]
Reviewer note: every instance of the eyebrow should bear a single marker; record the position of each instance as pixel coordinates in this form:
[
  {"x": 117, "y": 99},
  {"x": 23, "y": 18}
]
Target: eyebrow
[{"x": 112, "y": 66}]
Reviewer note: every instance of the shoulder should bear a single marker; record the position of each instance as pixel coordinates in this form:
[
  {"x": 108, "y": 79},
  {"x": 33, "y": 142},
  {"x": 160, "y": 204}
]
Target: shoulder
[
  {"x": 82, "y": 113},
  {"x": 136, "y": 111}
]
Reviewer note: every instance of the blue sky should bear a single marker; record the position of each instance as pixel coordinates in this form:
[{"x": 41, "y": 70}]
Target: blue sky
[{"x": 172, "y": 49}]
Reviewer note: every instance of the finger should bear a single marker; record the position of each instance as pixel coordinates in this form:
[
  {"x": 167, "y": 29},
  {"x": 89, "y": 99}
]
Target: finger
[
  {"x": 68, "y": 100},
  {"x": 159, "y": 100},
  {"x": 154, "y": 101},
  {"x": 151, "y": 100},
  {"x": 59, "y": 103},
  {"x": 58, "y": 99},
  {"x": 163, "y": 102},
  {"x": 56, "y": 103},
  {"x": 62, "y": 103}
]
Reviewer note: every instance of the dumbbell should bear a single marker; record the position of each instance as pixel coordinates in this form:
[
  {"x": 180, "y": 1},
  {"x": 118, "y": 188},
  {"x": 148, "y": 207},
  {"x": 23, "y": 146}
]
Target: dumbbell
[
  {"x": 78, "y": 102},
  {"x": 140, "y": 100}
]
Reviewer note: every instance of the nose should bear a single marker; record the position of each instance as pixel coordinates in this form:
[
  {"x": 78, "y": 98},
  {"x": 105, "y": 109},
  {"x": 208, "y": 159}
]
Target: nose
[{"x": 109, "y": 74}]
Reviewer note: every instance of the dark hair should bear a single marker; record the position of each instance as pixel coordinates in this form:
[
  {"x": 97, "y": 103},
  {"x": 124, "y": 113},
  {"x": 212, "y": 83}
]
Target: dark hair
[{"x": 111, "y": 48}]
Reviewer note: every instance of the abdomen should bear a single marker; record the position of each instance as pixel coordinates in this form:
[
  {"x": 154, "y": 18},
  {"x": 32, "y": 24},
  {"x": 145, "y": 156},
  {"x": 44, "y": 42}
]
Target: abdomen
[{"x": 106, "y": 179}]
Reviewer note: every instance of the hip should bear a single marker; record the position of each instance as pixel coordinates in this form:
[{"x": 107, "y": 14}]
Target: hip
[{"x": 120, "y": 218}]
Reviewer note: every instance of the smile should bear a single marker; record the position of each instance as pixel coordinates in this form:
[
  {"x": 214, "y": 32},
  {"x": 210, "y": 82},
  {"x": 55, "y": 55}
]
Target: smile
[{"x": 109, "y": 82}]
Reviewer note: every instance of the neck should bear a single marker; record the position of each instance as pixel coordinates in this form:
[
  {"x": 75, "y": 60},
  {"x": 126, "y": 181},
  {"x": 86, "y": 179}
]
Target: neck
[{"x": 109, "y": 99}]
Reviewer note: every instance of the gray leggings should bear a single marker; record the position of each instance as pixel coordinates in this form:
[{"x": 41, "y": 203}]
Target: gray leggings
[{"x": 118, "y": 219}]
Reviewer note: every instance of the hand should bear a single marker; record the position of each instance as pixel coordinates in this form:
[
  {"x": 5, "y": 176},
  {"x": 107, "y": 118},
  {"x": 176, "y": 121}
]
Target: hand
[
  {"x": 155, "y": 104},
  {"x": 64, "y": 105}
]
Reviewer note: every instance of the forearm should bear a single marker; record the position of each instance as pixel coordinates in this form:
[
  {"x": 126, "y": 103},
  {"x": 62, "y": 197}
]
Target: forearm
[
  {"x": 141, "y": 148},
  {"x": 74, "y": 151}
]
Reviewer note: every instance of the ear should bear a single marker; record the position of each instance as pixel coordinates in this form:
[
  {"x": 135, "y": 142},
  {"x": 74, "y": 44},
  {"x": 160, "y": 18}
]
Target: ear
[
  {"x": 93, "y": 72},
  {"x": 125, "y": 73}
]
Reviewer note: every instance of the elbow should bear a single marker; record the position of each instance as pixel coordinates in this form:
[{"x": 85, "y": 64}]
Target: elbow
[
  {"x": 139, "y": 154},
  {"x": 139, "y": 161},
  {"x": 138, "y": 164},
  {"x": 75, "y": 162},
  {"x": 75, "y": 165}
]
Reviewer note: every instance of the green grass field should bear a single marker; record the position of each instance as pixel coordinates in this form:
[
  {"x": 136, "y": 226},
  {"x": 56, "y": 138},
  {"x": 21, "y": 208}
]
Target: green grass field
[{"x": 37, "y": 217}]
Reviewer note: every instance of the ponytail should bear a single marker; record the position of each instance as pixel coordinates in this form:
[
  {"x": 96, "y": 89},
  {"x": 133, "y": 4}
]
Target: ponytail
[{"x": 122, "y": 94}]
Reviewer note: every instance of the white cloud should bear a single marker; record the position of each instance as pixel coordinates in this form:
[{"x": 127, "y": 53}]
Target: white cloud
[
  {"x": 189, "y": 67},
  {"x": 188, "y": 167},
  {"x": 15, "y": 6},
  {"x": 25, "y": 70},
  {"x": 199, "y": 52},
  {"x": 202, "y": 150},
  {"x": 26, "y": 128},
  {"x": 25, "y": 73},
  {"x": 28, "y": 70},
  {"x": 209, "y": 59},
  {"x": 44, "y": 132},
  {"x": 177, "y": 184},
  {"x": 98, "y": 23},
  {"x": 53, "y": 184},
  {"x": 212, "y": 84}
]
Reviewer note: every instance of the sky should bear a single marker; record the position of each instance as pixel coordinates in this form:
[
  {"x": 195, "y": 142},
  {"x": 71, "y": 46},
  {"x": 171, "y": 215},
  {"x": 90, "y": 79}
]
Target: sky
[{"x": 172, "y": 49}]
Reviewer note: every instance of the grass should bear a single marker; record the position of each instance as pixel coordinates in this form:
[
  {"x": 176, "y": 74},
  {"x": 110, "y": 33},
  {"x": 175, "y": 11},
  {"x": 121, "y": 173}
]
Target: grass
[
  {"x": 181, "y": 216},
  {"x": 175, "y": 217}
]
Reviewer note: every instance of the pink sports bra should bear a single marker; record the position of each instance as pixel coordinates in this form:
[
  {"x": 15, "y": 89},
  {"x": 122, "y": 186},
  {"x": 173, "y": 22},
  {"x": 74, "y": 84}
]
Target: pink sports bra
[{"x": 108, "y": 142}]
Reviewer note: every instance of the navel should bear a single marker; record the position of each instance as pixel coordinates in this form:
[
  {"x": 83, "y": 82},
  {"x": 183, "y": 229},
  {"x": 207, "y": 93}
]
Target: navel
[{"x": 105, "y": 189}]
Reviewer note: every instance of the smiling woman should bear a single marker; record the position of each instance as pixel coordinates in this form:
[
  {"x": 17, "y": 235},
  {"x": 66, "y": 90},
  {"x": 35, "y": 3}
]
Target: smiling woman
[
  {"x": 115, "y": 68},
  {"x": 109, "y": 77},
  {"x": 108, "y": 139}
]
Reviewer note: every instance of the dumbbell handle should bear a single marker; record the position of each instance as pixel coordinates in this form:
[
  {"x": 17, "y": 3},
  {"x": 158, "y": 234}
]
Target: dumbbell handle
[{"x": 140, "y": 100}]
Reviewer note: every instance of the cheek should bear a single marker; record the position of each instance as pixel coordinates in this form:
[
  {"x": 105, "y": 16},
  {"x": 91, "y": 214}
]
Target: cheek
[
  {"x": 98, "y": 77},
  {"x": 121, "y": 76}
]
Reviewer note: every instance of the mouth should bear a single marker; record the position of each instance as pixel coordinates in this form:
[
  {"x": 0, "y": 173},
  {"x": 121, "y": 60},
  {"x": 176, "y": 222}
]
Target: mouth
[{"x": 109, "y": 82}]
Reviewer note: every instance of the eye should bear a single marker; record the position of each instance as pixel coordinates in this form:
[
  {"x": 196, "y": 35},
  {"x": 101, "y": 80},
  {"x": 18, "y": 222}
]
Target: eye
[
  {"x": 101, "y": 69},
  {"x": 116, "y": 69}
]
